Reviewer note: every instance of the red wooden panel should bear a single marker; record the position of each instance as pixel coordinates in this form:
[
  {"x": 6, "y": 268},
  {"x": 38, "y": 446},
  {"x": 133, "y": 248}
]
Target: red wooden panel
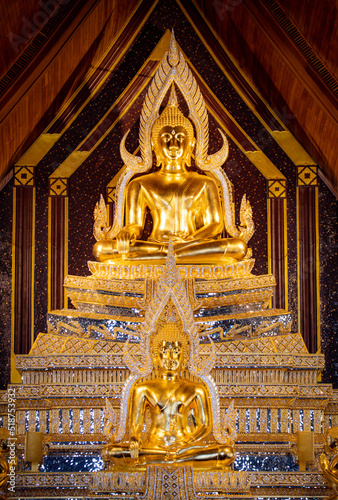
[
  {"x": 23, "y": 299},
  {"x": 278, "y": 251},
  {"x": 307, "y": 266}
]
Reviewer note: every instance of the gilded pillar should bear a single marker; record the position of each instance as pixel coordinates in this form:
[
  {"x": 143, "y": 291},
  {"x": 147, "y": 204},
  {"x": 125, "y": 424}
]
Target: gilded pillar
[
  {"x": 23, "y": 259},
  {"x": 277, "y": 240},
  {"x": 57, "y": 242},
  {"x": 308, "y": 256}
]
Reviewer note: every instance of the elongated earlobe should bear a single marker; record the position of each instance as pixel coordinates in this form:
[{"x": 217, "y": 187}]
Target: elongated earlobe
[{"x": 188, "y": 159}]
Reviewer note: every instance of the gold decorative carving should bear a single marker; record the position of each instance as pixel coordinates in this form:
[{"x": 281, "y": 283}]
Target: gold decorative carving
[
  {"x": 115, "y": 272},
  {"x": 105, "y": 282},
  {"x": 75, "y": 328},
  {"x": 119, "y": 481},
  {"x": 261, "y": 296},
  {"x": 290, "y": 343},
  {"x": 277, "y": 188},
  {"x": 307, "y": 176},
  {"x": 97, "y": 299},
  {"x": 24, "y": 176},
  {"x": 108, "y": 481},
  {"x": 235, "y": 359},
  {"x": 246, "y": 282},
  {"x": 275, "y": 479},
  {"x": 58, "y": 186},
  {"x": 88, "y": 290}
]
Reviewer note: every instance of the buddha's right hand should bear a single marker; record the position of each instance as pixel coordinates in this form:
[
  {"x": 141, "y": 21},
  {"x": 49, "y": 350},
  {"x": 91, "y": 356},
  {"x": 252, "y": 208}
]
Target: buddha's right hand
[
  {"x": 123, "y": 240},
  {"x": 134, "y": 448}
]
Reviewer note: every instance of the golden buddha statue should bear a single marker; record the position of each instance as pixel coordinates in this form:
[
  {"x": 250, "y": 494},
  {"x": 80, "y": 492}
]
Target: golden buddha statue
[
  {"x": 180, "y": 414},
  {"x": 330, "y": 469},
  {"x": 185, "y": 205}
]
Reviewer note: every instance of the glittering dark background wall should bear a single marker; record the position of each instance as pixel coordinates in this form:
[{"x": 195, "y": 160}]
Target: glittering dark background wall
[
  {"x": 92, "y": 177},
  {"x": 328, "y": 257},
  {"x": 6, "y": 211}
]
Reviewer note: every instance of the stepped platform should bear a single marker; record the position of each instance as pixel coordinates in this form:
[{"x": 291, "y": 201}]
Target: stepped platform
[{"x": 261, "y": 364}]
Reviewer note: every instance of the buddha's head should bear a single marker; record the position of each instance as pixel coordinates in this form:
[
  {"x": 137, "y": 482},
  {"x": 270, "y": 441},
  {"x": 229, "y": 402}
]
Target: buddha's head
[
  {"x": 172, "y": 137},
  {"x": 170, "y": 348}
]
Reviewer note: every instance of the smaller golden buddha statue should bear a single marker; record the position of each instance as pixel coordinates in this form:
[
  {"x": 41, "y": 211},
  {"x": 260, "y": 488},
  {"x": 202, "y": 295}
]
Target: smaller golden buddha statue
[
  {"x": 4, "y": 465},
  {"x": 330, "y": 469},
  {"x": 177, "y": 410}
]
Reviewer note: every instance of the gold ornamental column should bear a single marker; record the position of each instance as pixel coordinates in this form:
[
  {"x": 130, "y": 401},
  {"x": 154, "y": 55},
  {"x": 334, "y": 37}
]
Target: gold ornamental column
[
  {"x": 277, "y": 240},
  {"x": 23, "y": 259},
  {"x": 57, "y": 242},
  {"x": 308, "y": 256}
]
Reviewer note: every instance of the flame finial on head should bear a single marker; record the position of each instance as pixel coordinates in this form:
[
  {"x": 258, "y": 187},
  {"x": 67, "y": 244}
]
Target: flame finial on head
[{"x": 173, "y": 55}]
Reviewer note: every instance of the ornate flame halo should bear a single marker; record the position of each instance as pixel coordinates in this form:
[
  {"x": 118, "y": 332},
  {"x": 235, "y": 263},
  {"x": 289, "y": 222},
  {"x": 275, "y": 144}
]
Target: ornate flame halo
[{"x": 174, "y": 69}]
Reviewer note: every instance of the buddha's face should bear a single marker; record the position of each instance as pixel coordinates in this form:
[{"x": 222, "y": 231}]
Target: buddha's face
[
  {"x": 170, "y": 356},
  {"x": 173, "y": 143}
]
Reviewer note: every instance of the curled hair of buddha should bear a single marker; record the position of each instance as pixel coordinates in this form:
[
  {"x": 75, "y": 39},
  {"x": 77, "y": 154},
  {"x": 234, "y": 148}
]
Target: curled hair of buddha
[{"x": 169, "y": 332}]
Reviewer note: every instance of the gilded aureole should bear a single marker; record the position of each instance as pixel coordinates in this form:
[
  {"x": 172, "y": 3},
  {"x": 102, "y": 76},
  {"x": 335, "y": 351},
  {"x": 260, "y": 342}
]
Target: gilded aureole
[{"x": 185, "y": 205}]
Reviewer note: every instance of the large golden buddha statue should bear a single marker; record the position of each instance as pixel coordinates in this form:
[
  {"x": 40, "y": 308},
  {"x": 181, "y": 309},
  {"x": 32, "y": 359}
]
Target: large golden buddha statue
[
  {"x": 178, "y": 411},
  {"x": 184, "y": 205}
]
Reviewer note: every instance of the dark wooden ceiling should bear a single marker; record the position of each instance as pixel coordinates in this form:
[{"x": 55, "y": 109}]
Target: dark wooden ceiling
[
  {"x": 289, "y": 52},
  {"x": 48, "y": 76},
  {"x": 287, "y": 49},
  {"x": 319, "y": 25}
]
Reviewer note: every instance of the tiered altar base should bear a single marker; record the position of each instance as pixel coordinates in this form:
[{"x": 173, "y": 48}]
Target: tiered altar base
[
  {"x": 158, "y": 483},
  {"x": 261, "y": 364}
]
